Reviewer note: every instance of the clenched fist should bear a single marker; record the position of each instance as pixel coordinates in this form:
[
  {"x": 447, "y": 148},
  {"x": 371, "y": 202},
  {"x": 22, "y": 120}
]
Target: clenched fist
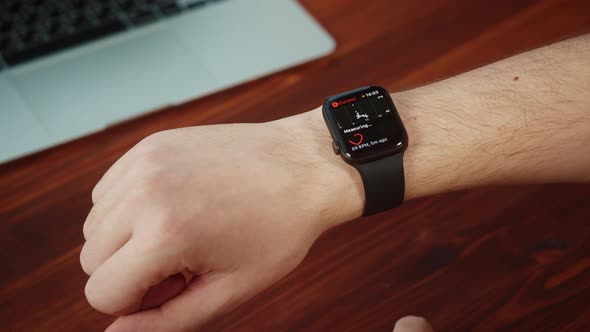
[{"x": 193, "y": 221}]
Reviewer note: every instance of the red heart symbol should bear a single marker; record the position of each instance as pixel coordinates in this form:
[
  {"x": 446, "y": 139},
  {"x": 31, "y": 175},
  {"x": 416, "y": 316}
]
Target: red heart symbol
[{"x": 359, "y": 137}]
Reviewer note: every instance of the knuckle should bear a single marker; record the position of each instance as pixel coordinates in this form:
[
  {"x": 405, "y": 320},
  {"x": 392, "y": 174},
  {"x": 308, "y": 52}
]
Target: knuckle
[
  {"x": 136, "y": 197},
  {"x": 95, "y": 194},
  {"x": 151, "y": 180},
  {"x": 149, "y": 156},
  {"x": 143, "y": 192},
  {"x": 86, "y": 230},
  {"x": 94, "y": 296},
  {"x": 85, "y": 261},
  {"x": 151, "y": 139},
  {"x": 98, "y": 189},
  {"x": 150, "y": 177},
  {"x": 150, "y": 147},
  {"x": 88, "y": 223},
  {"x": 101, "y": 299},
  {"x": 150, "y": 187}
]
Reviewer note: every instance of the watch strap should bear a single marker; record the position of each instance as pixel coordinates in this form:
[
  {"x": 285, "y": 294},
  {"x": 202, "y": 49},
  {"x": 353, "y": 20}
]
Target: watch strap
[{"x": 384, "y": 183}]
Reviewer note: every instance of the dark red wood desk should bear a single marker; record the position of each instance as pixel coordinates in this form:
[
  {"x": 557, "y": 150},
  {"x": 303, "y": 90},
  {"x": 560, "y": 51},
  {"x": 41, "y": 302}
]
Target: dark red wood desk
[{"x": 512, "y": 258}]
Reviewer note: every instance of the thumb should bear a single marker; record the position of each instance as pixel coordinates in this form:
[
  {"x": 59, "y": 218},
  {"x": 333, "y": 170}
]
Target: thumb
[
  {"x": 412, "y": 324},
  {"x": 204, "y": 297}
]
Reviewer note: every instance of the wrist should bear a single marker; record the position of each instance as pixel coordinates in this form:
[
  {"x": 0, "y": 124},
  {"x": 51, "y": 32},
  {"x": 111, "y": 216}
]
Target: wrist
[
  {"x": 334, "y": 187},
  {"x": 440, "y": 157}
]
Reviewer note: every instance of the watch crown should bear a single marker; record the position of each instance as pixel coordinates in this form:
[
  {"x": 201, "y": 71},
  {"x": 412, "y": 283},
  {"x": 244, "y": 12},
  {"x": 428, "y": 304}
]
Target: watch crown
[{"x": 335, "y": 148}]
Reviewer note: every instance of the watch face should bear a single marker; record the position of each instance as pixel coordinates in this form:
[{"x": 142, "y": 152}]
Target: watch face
[{"x": 365, "y": 125}]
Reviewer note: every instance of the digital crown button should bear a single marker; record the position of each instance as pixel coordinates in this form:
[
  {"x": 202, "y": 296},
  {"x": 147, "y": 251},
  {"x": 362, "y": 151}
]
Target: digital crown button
[{"x": 335, "y": 148}]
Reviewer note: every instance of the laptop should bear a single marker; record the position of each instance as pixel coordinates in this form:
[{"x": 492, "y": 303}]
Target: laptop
[{"x": 69, "y": 68}]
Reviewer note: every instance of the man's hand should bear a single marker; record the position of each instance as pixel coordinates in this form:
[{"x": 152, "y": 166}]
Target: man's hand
[{"x": 232, "y": 207}]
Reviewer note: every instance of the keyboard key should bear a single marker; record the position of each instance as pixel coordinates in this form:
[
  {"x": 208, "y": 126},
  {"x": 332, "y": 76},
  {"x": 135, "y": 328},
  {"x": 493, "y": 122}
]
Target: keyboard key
[
  {"x": 80, "y": 22},
  {"x": 169, "y": 8},
  {"x": 56, "y": 29},
  {"x": 31, "y": 18},
  {"x": 13, "y": 44},
  {"x": 126, "y": 5},
  {"x": 6, "y": 26},
  {"x": 142, "y": 16},
  {"x": 192, "y": 3},
  {"x": 14, "y": 7},
  {"x": 3, "y": 43},
  {"x": 78, "y": 4},
  {"x": 33, "y": 28},
  {"x": 13, "y": 57},
  {"x": 104, "y": 13}
]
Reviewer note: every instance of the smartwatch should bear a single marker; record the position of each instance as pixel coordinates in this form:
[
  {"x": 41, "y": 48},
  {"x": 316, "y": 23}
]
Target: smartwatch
[{"x": 368, "y": 133}]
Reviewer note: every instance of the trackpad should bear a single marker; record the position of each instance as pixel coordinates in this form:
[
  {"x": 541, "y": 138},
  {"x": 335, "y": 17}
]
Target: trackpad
[
  {"x": 20, "y": 131},
  {"x": 100, "y": 84}
]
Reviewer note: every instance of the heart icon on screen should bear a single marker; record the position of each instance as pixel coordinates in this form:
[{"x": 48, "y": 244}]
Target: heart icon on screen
[{"x": 357, "y": 139}]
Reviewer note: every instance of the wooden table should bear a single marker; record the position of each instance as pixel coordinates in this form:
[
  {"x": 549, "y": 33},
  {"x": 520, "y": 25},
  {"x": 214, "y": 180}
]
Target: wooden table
[{"x": 512, "y": 258}]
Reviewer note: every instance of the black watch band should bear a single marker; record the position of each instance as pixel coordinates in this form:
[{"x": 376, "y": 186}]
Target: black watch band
[{"x": 384, "y": 183}]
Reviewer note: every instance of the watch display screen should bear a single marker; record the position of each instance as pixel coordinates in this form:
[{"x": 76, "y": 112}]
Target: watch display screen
[{"x": 365, "y": 124}]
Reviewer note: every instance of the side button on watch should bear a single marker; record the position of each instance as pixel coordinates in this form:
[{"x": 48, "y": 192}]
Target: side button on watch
[{"x": 368, "y": 133}]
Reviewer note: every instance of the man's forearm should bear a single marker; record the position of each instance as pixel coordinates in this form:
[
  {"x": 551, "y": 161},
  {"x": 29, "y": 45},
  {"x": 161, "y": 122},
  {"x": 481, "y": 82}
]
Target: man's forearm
[
  {"x": 243, "y": 212},
  {"x": 525, "y": 119}
]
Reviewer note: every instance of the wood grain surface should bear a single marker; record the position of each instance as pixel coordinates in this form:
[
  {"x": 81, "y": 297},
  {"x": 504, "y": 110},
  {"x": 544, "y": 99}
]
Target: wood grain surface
[{"x": 510, "y": 258}]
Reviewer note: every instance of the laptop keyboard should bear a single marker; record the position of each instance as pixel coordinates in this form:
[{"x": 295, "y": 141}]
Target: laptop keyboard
[{"x": 33, "y": 28}]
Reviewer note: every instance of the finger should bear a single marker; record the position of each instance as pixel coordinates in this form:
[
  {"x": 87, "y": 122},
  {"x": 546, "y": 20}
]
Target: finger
[
  {"x": 116, "y": 194},
  {"x": 203, "y": 299},
  {"x": 164, "y": 291},
  {"x": 412, "y": 324},
  {"x": 118, "y": 285},
  {"x": 112, "y": 234}
]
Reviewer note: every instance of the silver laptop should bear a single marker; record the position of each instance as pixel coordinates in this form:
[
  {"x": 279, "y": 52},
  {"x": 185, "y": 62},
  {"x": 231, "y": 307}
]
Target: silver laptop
[{"x": 72, "y": 67}]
